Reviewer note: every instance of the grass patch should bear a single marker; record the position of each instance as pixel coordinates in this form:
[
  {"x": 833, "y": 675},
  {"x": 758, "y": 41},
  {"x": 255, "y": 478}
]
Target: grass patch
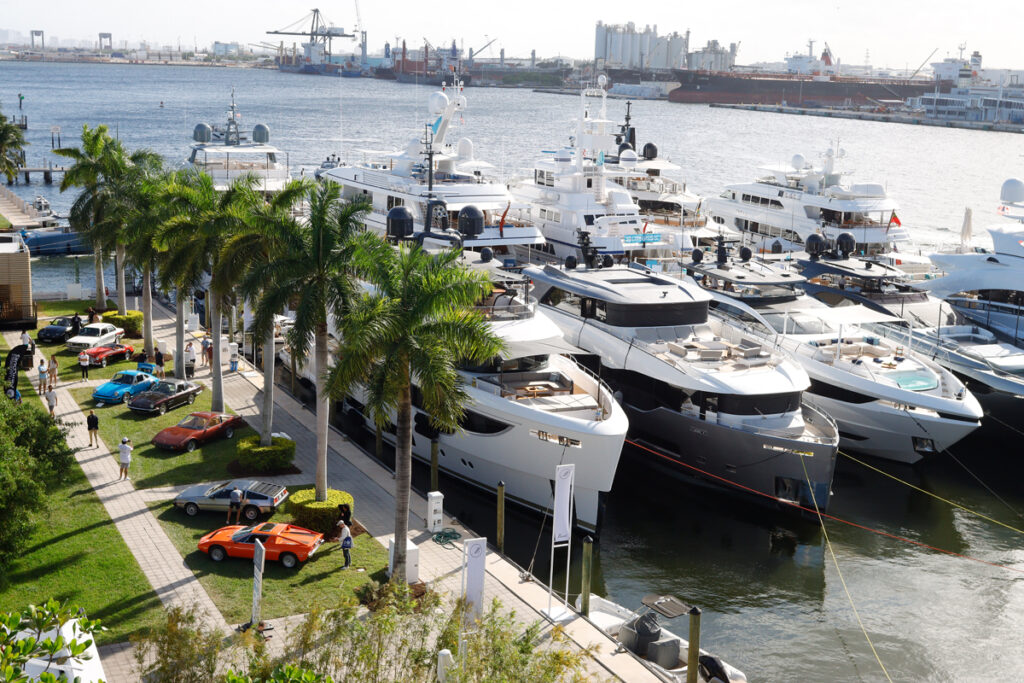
[
  {"x": 152, "y": 466},
  {"x": 285, "y": 591},
  {"x": 53, "y": 309},
  {"x": 76, "y": 554},
  {"x": 4, "y": 223}
]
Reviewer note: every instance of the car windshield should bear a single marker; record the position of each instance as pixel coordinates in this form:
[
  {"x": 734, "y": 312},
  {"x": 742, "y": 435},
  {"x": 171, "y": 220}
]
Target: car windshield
[
  {"x": 164, "y": 388},
  {"x": 193, "y": 422},
  {"x": 90, "y": 332},
  {"x": 122, "y": 378},
  {"x": 62, "y": 322},
  {"x": 241, "y": 534}
]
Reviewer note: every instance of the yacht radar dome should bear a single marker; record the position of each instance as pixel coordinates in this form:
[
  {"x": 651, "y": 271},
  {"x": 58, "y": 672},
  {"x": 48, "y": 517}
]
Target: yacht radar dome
[
  {"x": 437, "y": 103},
  {"x": 746, "y": 254},
  {"x": 602, "y": 80},
  {"x": 563, "y": 157},
  {"x": 697, "y": 255},
  {"x": 465, "y": 149},
  {"x": 261, "y": 133},
  {"x": 203, "y": 133},
  {"x": 486, "y": 254},
  {"x": 815, "y": 245},
  {"x": 798, "y": 161},
  {"x": 570, "y": 262},
  {"x": 846, "y": 244},
  {"x": 1011, "y": 192},
  {"x": 400, "y": 223},
  {"x": 650, "y": 151},
  {"x": 471, "y": 221},
  {"x": 627, "y": 158},
  {"x": 460, "y": 102}
]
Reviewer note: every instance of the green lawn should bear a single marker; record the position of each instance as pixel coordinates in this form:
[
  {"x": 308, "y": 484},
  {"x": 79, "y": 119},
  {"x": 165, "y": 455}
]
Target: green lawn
[
  {"x": 67, "y": 362},
  {"x": 52, "y": 309},
  {"x": 152, "y": 466},
  {"x": 4, "y": 223},
  {"x": 229, "y": 583},
  {"x": 76, "y": 554}
]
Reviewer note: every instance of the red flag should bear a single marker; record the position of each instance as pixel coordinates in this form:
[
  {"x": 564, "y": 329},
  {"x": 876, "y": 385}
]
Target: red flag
[
  {"x": 893, "y": 219},
  {"x": 645, "y": 229},
  {"x": 501, "y": 223}
]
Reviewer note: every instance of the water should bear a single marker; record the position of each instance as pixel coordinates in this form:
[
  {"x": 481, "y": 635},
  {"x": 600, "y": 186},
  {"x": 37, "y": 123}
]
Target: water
[{"x": 773, "y": 601}]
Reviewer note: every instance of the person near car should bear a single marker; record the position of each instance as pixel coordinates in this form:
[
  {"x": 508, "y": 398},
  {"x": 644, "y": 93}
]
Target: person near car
[
  {"x": 76, "y": 325},
  {"x": 207, "y": 349},
  {"x": 92, "y": 424},
  {"x": 345, "y": 541},
  {"x": 52, "y": 369},
  {"x": 83, "y": 363},
  {"x": 42, "y": 375},
  {"x": 92, "y": 315},
  {"x": 124, "y": 457},
  {"x": 158, "y": 356},
  {"x": 345, "y": 514},
  {"x": 25, "y": 339},
  {"x": 51, "y": 399},
  {"x": 237, "y": 499},
  {"x": 190, "y": 359}
]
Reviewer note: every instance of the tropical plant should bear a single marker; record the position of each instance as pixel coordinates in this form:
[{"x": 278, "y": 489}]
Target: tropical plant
[
  {"x": 12, "y": 144},
  {"x": 417, "y": 324},
  {"x": 315, "y": 274},
  {"x": 262, "y": 241},
  {"x": 182, "y": 649},
  {"x": 201, "y": 221},
  {"x": 36, "y": 634}
]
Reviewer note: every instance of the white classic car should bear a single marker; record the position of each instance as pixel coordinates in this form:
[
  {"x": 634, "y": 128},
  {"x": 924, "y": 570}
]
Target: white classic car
[{"x": 95, "y": 334}]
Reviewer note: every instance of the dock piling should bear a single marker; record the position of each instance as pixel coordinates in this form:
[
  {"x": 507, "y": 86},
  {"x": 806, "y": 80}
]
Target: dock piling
[
  {"x": 693, "y": 653},
  {"x": 500, "y": 536},
  {"x": 588, "y": 560}
]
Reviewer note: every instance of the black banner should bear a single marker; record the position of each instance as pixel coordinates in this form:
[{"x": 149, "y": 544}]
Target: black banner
[{"x": 11, "y": 370}]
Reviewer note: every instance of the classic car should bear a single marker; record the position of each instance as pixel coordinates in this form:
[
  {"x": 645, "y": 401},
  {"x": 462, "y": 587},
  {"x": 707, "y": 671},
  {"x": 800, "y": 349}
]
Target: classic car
[
  {"x": 286, "y": 543},
  {"x": 124, "y": 385},
  {"x": 197, "y": 429},
  {"x": 165, "y": 395},
  {"x": 101, "y": 355},
  {"x": 59, "y": 330},
  {"x": 259, "y": 497},
  {"x": 96, "y": 334}
]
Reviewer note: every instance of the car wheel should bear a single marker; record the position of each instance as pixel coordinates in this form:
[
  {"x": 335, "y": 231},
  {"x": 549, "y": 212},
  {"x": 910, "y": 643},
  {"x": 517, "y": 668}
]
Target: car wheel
[
  {"x": 251, "y": 512},
  {"x": 191, "y": 509},
  {"x": 191, "y": 445},
  {"x": 162, "y": 409},
  {"x": 103, "y": 362},
  {"x": 229, "y": 432},
  {"x": 124, "y": 397},
  {"x": 289, "y": 560},
  {"x": 191, "y": 399},
  {"x": 217, "y": 553}
]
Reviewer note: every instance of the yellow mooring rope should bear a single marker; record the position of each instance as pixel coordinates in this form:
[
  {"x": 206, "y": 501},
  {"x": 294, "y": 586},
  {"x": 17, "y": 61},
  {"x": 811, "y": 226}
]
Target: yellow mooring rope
[{"x": 835, "y": 561}]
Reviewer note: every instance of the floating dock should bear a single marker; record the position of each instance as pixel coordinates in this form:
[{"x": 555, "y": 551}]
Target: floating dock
[{"x": 886, "y": 117}]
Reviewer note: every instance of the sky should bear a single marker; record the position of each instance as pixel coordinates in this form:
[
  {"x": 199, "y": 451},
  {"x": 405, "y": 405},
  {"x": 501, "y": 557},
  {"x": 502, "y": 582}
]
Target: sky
[{"x": 897, "y": 33}]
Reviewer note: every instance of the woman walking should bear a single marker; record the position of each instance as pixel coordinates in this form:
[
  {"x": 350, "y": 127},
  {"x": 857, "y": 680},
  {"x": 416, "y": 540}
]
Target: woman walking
[
  {"x": 43, "y": 373},
  {"x": 53, "y": 369}
]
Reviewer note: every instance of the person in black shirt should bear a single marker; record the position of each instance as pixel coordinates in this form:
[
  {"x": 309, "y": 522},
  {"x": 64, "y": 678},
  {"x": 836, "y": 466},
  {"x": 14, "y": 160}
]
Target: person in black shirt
[
  {"x": 92, "y": 423},
  {"x": 76, "y": 325},
  {"x": 159, "y": 358}
]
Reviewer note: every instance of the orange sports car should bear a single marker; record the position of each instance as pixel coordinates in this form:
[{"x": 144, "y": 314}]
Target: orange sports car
[{"x": 287, "y": 543}]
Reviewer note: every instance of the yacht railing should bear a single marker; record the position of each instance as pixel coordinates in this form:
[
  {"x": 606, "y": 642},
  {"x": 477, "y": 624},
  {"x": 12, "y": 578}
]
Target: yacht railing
[{"x": 497, "y": 311}]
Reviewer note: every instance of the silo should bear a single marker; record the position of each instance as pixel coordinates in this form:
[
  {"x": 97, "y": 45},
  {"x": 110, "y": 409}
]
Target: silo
[
  {"x": 634, "y": 46},
  {"x": 600, "y": 42},
  {"x": 646, "y": 47},
  {"x": 615, "y": 53}
]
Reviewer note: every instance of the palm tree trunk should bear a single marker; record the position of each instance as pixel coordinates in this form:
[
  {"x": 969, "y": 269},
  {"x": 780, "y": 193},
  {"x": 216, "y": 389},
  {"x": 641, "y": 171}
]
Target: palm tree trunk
[
  {"x": 122, "y": 296},
  {"x": 101, "y": 295},
  {"x": 179, "y": 334},
  {"x": 268, "y": 388},
  {"x": 217, "y": 377},
  {"x": 323, "y": 406},
  {"x": 147, "y": 311},
  {"x": 403, "y": 475}
]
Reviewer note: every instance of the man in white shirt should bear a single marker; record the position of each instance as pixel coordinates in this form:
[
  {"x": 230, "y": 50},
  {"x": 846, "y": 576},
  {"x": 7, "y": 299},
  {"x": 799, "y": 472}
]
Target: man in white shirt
[
  {"x": 125, "y": 456},
  {"x": 25, "y": 339},
  {"x": 51, "y": 399},
  {"x": 83, "y": 363}
]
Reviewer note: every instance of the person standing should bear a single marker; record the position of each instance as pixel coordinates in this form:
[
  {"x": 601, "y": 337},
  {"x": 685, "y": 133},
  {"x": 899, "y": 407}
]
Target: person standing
[
  {"x": 52, "y": 369},
  {"x": 345, "y": 514},
  {"x": 159, "y": 358},
  {"x": 190, "y": 360},
  {"x": 42, "y": 375},
  {"x": 124, "y": 457},
  {"x": 76, "y": 325},
  {"x": 237, "y": 501},
  {"x": 25, "y": 339},
  {"x": 207, "y": 348},
  {"x": 345, "y": 539},
  {"x": 51, "y": 399},
  {"x": 92, "y": 315},
  {"x": 92, "y": 424},
  {"x": 83, "y": 363}
]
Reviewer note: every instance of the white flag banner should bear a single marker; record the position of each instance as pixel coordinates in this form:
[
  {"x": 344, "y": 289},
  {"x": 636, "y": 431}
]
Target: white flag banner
[
  {"x": 474, "y": 552},
  {"x": 258, "y": 558},
  {"x": 563, "y": 503}
]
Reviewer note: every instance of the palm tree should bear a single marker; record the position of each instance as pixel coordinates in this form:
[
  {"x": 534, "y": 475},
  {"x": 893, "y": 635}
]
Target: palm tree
[
  {"x": 270, "y": 231},
  {"x": 418, "y": 322},
  {"x": 12, "y": 144},
  {"x": 315, "y": 273},
  {"x": 146, "y": 212},
  {"x": 202, "y": 220}
]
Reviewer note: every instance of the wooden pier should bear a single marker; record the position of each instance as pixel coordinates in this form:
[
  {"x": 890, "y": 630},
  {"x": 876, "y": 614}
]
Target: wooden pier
[{"x": 47, "y": 171}]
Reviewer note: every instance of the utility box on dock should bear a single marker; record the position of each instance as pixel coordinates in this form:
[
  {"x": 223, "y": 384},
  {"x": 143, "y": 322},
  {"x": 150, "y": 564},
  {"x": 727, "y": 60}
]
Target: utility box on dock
[
  {"x": 412, "y": 560},
  {"x": 435, "y": 511}
]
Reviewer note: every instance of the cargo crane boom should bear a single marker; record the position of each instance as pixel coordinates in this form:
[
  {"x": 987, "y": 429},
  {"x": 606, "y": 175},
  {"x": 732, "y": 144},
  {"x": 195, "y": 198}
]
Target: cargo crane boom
[{"x": 319, "y": 31}]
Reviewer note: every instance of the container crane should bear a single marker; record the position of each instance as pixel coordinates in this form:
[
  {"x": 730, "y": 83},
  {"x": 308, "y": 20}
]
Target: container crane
[
  {"x": 319, "y": 33},
  {"x": 362, "y": 35}
]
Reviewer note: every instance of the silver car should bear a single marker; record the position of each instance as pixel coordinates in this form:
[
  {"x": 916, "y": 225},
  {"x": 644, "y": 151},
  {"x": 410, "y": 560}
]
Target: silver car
[{"x": 257, "y": 497}]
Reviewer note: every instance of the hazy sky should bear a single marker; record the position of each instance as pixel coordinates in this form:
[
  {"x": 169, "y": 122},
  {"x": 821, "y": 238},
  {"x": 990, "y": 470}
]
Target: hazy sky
[{"x": 896, "y": 32}]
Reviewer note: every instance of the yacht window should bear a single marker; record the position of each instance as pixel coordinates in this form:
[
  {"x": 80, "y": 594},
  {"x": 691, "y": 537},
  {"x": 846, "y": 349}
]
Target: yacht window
[
  {"x": 656, "y": 315},
  {"x": 394, "y": 201},
  {"x": 524, "y": 364},
  {"x": 764, "y": 404},
  {"x": 776, "y": 204},
  {"x": 813, "y": 212},
  {"x": 481, "y": 424},
  {"x": 588, "y": 219},
  {"x": 719, "y": 220},
  {"x": 590, "y": 182},
  {"x": 563, "y": 300},
  {"x": 271, "y": 157}
]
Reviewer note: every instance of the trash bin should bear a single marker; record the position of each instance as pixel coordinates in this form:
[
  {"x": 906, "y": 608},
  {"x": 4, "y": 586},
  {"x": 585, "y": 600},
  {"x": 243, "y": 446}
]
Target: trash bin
[
  {"x": 28, "y": 361},
  {"x": 190, "y": 370}
]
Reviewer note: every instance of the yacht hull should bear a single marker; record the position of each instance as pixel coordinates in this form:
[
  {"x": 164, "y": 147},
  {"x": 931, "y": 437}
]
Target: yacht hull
[
  {"x": 744, "y": 461},
  {"x": 891, "y": 433}
]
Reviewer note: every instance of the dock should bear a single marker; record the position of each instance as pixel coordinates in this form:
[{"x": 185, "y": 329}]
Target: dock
[
  {"x": 47, "y": 171},
  {"x": 21, "y": 214},
  {"x": 881, "y": 116}
]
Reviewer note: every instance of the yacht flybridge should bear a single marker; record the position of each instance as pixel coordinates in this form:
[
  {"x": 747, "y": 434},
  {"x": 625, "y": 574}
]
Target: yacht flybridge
[
  {"x": 704, "y": 399},
  {"x": 887, "y": 400},
  {"x": 780, "y": 209},
  {"x": 435, "y": 179},
  {"x": 226, "y": 153}
]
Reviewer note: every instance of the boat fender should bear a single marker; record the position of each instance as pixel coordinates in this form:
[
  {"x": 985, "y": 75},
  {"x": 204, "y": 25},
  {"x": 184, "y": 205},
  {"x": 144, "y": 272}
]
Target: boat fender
[{"x": 712, "y": 669}]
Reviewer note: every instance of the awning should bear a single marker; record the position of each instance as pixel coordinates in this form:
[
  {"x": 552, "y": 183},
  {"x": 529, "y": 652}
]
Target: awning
[{"x": 853, "y": 315}]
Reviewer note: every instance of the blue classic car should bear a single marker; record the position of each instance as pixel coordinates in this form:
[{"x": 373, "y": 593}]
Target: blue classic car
[{"x": 123, "y": 386}]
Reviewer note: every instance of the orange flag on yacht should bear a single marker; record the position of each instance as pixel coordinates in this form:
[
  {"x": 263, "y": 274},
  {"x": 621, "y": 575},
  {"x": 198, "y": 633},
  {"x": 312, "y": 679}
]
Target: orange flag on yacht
[
  {"x": 893, "y": 219},
  {"x": 501, "y": 223}
]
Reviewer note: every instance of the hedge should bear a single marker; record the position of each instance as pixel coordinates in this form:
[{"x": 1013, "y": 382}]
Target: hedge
[
  {"x": 131, "y": 321},
  {"x": 320, "y": 516},
  {"x": 261, "y": 459}
]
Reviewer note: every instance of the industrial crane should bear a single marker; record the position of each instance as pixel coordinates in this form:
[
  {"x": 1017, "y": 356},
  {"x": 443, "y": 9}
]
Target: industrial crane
[
  {"x": 925, "y": 62},
  {"x": 319, "y": 31},
  {"x": 361, "y": 30}
]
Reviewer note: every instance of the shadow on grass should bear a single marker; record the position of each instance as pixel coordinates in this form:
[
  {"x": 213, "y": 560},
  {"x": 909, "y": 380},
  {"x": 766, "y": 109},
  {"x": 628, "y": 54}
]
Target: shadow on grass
[
  {"x": 67, "y": 535},
  {"x": 214, "y": 457},
  {"x": 17, "y": 577}
]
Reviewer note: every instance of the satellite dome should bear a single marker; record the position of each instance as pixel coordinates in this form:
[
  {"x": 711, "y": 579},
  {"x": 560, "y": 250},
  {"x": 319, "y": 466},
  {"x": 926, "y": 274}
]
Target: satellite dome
[
  {"x": 650, "y": 151},
  {"x": 697, "y": 255},
  {"x": 607, "y": 261},
  {"x": 486, "y": 254},
  {"x": 465, "y": 148},
  {"x": 400, "y": 223},
  {"x": 1012, "y": 190},
  {"x": 798, "y": 161},
  {"x": 628, "y": 158},
  {"x": 437, "y": 103},
  {"x": 261, "y": 133},
  {"x": 745, "y": 254},
  {"x": 815, "y": 245},
  {"x": 471, "y": 221},
  {"x": 203, "y": 133},
  {"x": 460, "y": 102},
  {"x": 570, "y": 263},
  {"x": 846, "y": 244},
  {"x": 602, "y": 80}
]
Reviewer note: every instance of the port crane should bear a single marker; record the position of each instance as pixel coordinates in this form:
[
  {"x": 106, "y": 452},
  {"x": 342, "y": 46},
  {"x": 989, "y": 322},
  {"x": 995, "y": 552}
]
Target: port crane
[
  {"x": 319, "y": 33},
  {"x": 925, "y": 62}
]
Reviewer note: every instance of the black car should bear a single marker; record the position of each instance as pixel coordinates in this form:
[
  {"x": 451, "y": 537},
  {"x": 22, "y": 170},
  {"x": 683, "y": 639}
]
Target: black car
[
  {"x": 59, "y": 330},
  {"x": 165, "y": 395}
]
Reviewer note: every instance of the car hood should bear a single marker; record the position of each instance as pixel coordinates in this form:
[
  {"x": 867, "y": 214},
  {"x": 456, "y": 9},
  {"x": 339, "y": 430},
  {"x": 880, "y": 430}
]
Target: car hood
[
  {"x": 222, "y": 535},
  {"x": 85, "y": 340},
  {"x": 174, "y": 435},
  {"x": 153, "y": 397},
  {"x": 112, "y": 389},
  {"x": 299, "y": 535},
  {"x": 54, "y": 329},
  {"x": 193, "y": 492}
]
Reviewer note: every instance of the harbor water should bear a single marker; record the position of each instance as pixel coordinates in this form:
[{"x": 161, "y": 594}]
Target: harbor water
[{"x": 939, "y": 603}]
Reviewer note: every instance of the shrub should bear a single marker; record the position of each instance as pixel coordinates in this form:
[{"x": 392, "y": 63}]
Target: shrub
[
  {"x": 320, "y": 516},
  {"x": 131, "y": 321},
  {"x": 260, "y": 459}
]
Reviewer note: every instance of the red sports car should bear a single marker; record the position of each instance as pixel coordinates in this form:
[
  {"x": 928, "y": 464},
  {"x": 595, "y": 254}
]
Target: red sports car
[
  {"x": 197, "y": 429},
  {"x": 286, "y": 543},
  {"x": 101, "y": 355}
]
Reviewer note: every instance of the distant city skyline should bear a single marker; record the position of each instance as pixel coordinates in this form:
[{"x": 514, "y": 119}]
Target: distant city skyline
[{"x": 894, "y": 34}]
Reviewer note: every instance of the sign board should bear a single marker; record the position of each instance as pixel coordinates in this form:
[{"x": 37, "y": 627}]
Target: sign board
[
  {"x": 474, "y": 552},
  {"x": 564, "y": 475},
  {"x": 11, "y": 370},
  {"x": 55, "y": 130},
  {"x": 258, "y": 557},
  {"x": 642, "y": 238}
]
